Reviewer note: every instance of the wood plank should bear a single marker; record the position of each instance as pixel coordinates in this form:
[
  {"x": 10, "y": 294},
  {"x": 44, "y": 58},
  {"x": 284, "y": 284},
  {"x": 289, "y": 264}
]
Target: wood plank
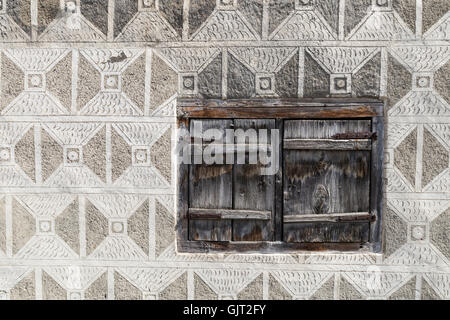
[
  {"x": 278, "y": 212},
  {"x": 326, "y": 181},
  {"x": 324, "y": 129},
  {"x": 210, "y": 186},
  {"x": 277, "y": 103},
  {"x": 227, "y": 214},
  {"x": 252, "y": 190},
  {"x": 237, "y": 148},
  {"x": 182, "y": 225},
  {"x": 376, "y": 183},
  {"x": 333, "y": 217},
  {"x": 326, "y": 232},
  {"x": 320, "y": 182},
  {"x": 327, "y": 144},
  {"x": 281, "y": 112}
]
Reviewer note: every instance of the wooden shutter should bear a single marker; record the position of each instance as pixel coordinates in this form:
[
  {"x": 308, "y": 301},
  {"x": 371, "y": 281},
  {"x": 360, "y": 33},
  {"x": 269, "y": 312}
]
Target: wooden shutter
[
  {"x": 231, "y": 202},
  {"x": 326, "y": 180}
]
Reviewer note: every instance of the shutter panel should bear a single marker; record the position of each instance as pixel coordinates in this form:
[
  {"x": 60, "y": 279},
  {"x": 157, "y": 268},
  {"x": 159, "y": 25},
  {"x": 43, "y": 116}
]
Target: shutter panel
[
  {"x": 231, "y": 202},
  {"x": 326, "y": 180},
  {"x": 210, "y": 187},
  {"x": 253, "y": 191}
]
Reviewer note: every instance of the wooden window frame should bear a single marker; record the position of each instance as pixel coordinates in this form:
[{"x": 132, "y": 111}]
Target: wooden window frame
[{"x": 281, "y": 110}]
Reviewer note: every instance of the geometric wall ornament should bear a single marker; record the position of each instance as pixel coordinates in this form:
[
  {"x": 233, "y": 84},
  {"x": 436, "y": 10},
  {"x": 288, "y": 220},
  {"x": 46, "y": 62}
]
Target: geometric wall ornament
[
  {"x": 381, "y": 23},
  {"x": 405, "y": 156},
  {"x": 42, "y": 232},
  {"x": 301, "y": 284},
  {"x": 80, "y": 166},
  {"x": 148, "y": 24},
  {"x": 119, "y": 91},
  {"x": 71, "y": 24},
  {"x": 264, "y": 63},
  {"x": 151, "y": 280},
  {"x": 376, "y": 284},
  {"x": 15, "y": 25},
  {"x": 421, "y": 102},
  {"x": 17, "y": 154},
  {"x": 226, "y": 22},
  {"x": 421, "y": 59},
  {"x": 163, "y": 87},
  {"x": 422, "y": 82},
  {"x": 140, "y": 169},
  {"x": 189, "y": 62},
  {"x": 343, "y": 64},
  {"x": 227, "y": 282},
  {"x": 340, "y": 83},
  {"x": 305, "y": 23},
  {"x": 265, "y": 84},
  {"x": 436, "y": 19},
  {"x": 75, "y": 280},
  {"x": 119, "y": 241},
  {"x": 35, "y": 90},
  {"x": 436, "y": 153},
  {"x": 439, "y": 235},
  {"x": 418, "y": 232}
]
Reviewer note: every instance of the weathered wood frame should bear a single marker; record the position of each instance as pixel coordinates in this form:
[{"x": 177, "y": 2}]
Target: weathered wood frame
[{"x": 280, "y": 110}]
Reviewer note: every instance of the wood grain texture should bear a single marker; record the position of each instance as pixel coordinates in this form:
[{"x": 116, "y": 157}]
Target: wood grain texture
[
  {"x": 229, "y": 214},
  {"x": 210, "y": 186},
  {"x": 355, "y": 235},
  {"x": 333, "y": 217},
  {"x": 326, "y": 232},
  {"x": 325, "y": 181},
  {"x": 327, "y": 144},
  {"x": 252, "y": 190}
]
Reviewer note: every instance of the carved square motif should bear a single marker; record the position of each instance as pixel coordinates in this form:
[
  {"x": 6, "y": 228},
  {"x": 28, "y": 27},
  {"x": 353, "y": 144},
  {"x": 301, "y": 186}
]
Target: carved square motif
[
  {"x": 71, "y": 6},
  {"x": 265, "y": 84},
  {"x": 148, "y": 5},
  {"x": 141, "y": 156},
  {"x": 5, "y": 155},
  {"x": 118, "y": 227},
  {"x": 226, "y": 4},
  {"x": 35, "y": 81},
  {"x": 418, "y": 232},
  {"x": 304, "y": 4},
  {"x": 188, "y": 84},
  {"x": 45, "y": 226},
  {"x": 340, "y": 83},
  {"x": 422, "y": 82},
  {"x": 382, "y": 4},
  {"x": 111, "y": 82},
  {"x": 73, "y": 155}
]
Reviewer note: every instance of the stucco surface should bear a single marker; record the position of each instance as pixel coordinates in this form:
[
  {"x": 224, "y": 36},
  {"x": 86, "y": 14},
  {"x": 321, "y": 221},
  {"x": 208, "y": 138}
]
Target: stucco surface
[{"x": 87, "y": 120}]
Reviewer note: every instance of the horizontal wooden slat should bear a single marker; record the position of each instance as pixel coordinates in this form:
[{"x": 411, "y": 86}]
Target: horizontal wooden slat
[
  {"x": 280, "y": 112},
  {"x": 277, "y": 103},
  {"x": 327, "y": 144},
  {"x": 228, "y": 214},
  {"x": 333, "y": 217},
  {"x": 233, "y": 148}
]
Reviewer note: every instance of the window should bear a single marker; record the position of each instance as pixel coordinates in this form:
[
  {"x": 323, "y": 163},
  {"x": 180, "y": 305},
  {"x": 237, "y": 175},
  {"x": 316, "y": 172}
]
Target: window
[{"x": 279, "y": 175}]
